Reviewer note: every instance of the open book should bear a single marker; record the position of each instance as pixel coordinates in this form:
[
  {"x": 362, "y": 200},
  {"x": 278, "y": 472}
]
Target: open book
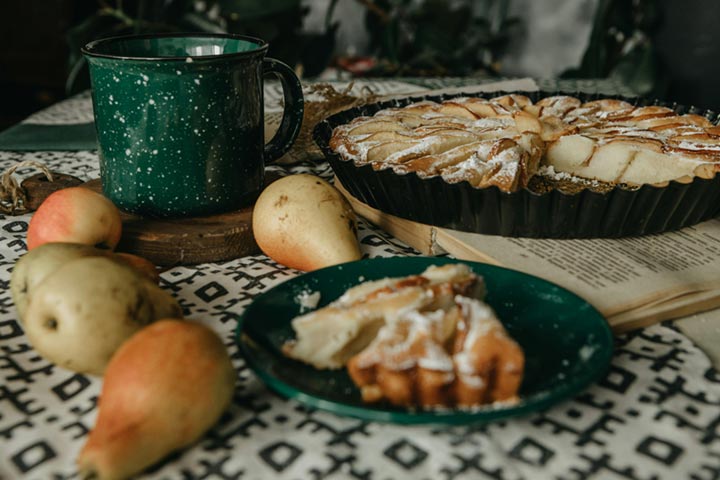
[{"x": 633, "y": 281}]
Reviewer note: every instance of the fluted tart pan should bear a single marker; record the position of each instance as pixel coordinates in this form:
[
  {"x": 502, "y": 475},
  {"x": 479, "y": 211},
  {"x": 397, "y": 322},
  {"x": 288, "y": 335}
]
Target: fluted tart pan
[{"x": 614, "y": 212}]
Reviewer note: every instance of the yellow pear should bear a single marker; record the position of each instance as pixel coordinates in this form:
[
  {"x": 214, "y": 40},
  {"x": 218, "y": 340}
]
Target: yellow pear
[
  {"x": 163, "y": 389},
  {"x": 303, "y": 222},
  {"x": 80, "y": 314},
  {"x": 38, "y": 263}
]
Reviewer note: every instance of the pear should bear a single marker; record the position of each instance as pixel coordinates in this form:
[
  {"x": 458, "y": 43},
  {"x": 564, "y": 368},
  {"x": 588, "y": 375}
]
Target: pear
[
  {"x": 141, "y": 264},
  {"x": 163, "y": 389},
  {"x": 77, "y": 215},
  {"x": 303, "y": 222},
  {"x": 79, "y": 314},
  {"x": 38, "y": 263}
]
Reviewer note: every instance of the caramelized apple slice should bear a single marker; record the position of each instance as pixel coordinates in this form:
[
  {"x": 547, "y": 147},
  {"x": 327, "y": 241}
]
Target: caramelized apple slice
[
  {"x": 607, "y": 105},
  {"x": 429, "y": 165},
  {"x": 481, "y": 108},
  {"x": 652, "y": 165},
  {"x": 402, "y": 151},
  {"x": 526, "y": 122},
  {"x": 612, "y": 159},
  {"x": 558, "y": 104},
  {"x": 373, "y": 126},
  {"x": 513, "y": 101},
  {"x": 455, "y": 109},
  {"x": 569, "y": 152}
]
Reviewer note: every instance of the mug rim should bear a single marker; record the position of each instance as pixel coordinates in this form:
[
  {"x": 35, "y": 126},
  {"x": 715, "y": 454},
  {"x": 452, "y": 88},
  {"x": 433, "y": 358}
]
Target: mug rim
[{"x": 262, "y": 46}]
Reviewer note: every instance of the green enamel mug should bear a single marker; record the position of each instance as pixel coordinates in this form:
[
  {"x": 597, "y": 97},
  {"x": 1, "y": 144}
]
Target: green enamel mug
[{"x": 180, "y": 120}]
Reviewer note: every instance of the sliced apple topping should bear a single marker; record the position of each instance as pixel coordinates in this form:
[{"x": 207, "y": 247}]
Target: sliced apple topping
[{"x": 500, "y": 141}]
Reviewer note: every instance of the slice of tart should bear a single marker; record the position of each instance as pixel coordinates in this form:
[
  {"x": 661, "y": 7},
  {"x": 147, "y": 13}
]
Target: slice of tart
[
  {"x": 330, "y": 336},
  {"x": 458, "y": 357}
]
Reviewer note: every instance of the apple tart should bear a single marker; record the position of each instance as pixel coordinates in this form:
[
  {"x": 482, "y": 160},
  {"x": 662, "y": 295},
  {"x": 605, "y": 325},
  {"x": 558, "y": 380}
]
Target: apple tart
[
  {"x": 505, "y": 141},
  {"x": 468, "y": 139},
  {"x": 328, "y": 337},
  {"x": 461, "y": 357},
  {"x": 423, "y": 341}
]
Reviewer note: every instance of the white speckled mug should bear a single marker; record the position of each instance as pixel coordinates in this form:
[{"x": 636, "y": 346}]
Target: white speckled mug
[{"x": 179, "y": 120}]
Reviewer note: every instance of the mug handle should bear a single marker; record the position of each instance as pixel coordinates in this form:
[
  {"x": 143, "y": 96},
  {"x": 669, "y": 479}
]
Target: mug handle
[{"x": 292, "y": 114}]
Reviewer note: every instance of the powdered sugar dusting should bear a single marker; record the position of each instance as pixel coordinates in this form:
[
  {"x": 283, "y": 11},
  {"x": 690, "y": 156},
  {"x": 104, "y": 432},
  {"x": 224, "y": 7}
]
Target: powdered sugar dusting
[
  {"x": 549, "y": 172},
  {"x": 308, "y": 300},
  {"x": 655, "y": 143}
]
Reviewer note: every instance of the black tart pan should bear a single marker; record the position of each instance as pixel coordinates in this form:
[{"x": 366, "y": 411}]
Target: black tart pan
[{"x": 618, "y": 212}]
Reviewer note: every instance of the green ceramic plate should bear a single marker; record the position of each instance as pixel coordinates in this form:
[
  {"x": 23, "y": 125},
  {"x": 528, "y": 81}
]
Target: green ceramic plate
[{"x": 567, "y": 343}]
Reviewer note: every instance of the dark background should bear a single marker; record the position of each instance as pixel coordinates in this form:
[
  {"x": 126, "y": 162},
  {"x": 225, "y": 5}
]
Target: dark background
[{"x": 34, "y": 56}]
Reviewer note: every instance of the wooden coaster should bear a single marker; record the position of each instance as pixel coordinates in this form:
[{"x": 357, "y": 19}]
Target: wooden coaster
[
  {"x": 37, "y": 187},
  {"x": 187, "y": 241}
]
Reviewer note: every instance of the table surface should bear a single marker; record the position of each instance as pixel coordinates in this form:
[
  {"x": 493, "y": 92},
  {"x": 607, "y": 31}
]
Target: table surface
[{"x": 655, "y": 414}]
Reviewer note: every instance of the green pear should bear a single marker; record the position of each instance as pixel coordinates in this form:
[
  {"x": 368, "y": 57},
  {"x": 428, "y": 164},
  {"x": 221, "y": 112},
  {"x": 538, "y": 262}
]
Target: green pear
[
  {"x": 163, "y": 389},
  {"x": 38, "y": 263},
  {"x": 82, "y": 312}
]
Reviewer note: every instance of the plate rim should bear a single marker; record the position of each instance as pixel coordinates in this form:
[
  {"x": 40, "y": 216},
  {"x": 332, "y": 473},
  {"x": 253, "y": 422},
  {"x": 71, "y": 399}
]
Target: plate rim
[{"x": 539, "y": 402}]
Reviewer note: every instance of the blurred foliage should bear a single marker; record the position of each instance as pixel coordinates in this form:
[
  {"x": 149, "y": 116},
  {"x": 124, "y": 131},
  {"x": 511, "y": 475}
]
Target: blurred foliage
[
  {"x": 406, "y": 37},
  {"x": 279, "y": 22},
  {"x": 438, "y": 37},
  {"x": 621, "y": 46}
]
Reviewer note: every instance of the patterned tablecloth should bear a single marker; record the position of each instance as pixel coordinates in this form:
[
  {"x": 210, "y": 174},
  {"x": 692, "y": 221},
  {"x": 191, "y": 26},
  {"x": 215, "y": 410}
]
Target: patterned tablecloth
[{"x": 655, "y": 415}]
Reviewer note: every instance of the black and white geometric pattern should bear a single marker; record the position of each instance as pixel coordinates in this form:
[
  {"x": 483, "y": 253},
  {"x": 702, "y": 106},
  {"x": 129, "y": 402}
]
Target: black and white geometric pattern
[{"x": 656, "y": 415}]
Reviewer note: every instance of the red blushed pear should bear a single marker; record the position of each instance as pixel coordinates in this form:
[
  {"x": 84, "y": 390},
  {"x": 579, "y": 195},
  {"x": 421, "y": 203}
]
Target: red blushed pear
[
  {"x": 75, "y": 215},
  {"x": 163, "y": 389}
]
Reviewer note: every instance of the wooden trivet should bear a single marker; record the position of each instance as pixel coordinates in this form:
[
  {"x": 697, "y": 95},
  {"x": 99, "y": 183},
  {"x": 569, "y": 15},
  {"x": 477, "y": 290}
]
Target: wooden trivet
[
  {"x": 37, "y": 187},
  {"x": 187, "y": 241}
]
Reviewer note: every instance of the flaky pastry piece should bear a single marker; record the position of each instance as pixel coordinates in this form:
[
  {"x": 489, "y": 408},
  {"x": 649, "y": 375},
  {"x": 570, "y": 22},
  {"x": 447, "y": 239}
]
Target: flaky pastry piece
[
  {"x": 458, "y": 357},
  {"x": 329, "y": 336}
]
